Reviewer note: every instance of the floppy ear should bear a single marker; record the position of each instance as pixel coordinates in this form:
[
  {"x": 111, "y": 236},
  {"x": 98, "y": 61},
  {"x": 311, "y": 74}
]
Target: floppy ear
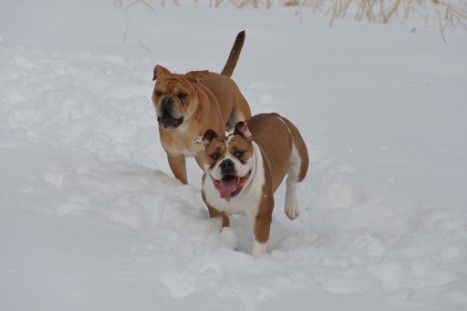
[
  {"x": 196, "y": 76},
  {"x": 241, "y": 128},
  {"x": 159, "y": 71},
  {"x": 208, "y": 136}
]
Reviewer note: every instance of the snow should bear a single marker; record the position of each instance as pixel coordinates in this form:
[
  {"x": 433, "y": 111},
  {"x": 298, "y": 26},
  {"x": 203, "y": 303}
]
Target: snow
[{"x": 92, "y": 219}]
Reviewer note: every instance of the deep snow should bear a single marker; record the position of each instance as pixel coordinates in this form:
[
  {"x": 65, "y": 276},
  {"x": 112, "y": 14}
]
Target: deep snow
[{"x": 92, "y": 219}]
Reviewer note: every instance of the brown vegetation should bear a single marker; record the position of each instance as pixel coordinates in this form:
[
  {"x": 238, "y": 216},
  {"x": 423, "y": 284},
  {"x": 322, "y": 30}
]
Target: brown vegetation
[{"x": 442, "y": 14}]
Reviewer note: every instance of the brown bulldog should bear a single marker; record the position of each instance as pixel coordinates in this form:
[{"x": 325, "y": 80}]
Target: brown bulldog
[
  {"x": 245, "y": 168},
  {"x": 189, "y": 104}
]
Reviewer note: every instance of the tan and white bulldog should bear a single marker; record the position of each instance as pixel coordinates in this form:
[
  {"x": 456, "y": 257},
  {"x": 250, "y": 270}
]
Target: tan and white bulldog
[
  {"x": 244, "y": 169},
  {"x": 189, "y": 104}
]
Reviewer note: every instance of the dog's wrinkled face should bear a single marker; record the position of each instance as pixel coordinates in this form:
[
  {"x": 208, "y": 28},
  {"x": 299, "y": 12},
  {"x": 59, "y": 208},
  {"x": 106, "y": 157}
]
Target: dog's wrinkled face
[
  {"x": 175, "y": 96},
  {"x": 229, "y": 160}
]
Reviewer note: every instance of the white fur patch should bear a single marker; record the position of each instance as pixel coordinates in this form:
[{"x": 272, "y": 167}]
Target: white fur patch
[
  {"x": 258, "y": 249},
  {"x": 189, "y": 153},
  {"x": 247, "y": 201},
  {"x": 198, "y": 139},
  {"x": 291, "y": 206}
]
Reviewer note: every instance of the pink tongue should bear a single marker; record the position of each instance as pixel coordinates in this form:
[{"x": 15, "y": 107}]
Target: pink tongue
[{"x": 226, "y": 187}]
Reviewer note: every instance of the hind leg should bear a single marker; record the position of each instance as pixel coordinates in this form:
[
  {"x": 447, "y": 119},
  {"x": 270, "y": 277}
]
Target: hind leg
[
  {"x": 291, "y": 206},
  {"x": 233, "y": 120},
  {"x": 240, "y": 112}
]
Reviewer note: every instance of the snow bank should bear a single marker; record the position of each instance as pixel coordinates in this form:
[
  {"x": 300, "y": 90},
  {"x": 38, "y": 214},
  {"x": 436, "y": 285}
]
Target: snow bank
[{"x": 91, "y": 218}]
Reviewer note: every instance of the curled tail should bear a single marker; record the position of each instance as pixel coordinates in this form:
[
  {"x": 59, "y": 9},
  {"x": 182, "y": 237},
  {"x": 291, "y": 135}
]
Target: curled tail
[{"x": 234, "y": 55}]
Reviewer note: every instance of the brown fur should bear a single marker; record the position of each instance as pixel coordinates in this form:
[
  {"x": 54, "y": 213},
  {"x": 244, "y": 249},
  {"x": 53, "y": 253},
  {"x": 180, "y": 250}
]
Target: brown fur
[
  {"x": 275, "y": 136},
  {"x": 234, "y": 54}
]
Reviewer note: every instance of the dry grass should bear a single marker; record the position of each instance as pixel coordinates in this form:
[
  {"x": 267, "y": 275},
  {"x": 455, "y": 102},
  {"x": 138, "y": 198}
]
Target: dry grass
[
  {"x": 240, "y": 4},
  {"x": 445, "y": 15},
  {"x": 146, "y": 3}
]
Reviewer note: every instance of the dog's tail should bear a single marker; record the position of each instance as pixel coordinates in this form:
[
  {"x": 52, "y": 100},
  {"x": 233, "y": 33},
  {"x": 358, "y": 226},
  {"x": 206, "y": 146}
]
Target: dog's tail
[{"x": 234, "y": 55}]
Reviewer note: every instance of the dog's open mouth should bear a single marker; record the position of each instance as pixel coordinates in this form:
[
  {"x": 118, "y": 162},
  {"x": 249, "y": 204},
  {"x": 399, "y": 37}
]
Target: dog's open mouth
[
  {"x": 230, "y": 186},
  {"x": 169, "y": 122}
]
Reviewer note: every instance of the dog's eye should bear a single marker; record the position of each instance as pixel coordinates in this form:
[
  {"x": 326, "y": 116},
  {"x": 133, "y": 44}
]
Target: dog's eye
[
  {"x": 182, "y": 95},
  {"x": 238, "y": 154},
  {"x": 158, "y": 93},
  {"x": 215, "y": 156}
]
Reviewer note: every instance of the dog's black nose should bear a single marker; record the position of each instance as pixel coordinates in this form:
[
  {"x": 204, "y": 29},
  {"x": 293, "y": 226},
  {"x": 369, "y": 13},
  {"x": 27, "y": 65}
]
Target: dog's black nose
[
  {"x": 227, "y": 167},
  {"x": 166, "y": 104}
]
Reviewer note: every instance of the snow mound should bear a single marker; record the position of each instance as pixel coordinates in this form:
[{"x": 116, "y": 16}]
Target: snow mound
[{"x": 92, "y": 219}]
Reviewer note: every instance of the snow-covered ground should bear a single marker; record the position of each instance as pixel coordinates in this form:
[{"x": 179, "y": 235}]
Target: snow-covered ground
[{"x": 92, "y": 219}]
